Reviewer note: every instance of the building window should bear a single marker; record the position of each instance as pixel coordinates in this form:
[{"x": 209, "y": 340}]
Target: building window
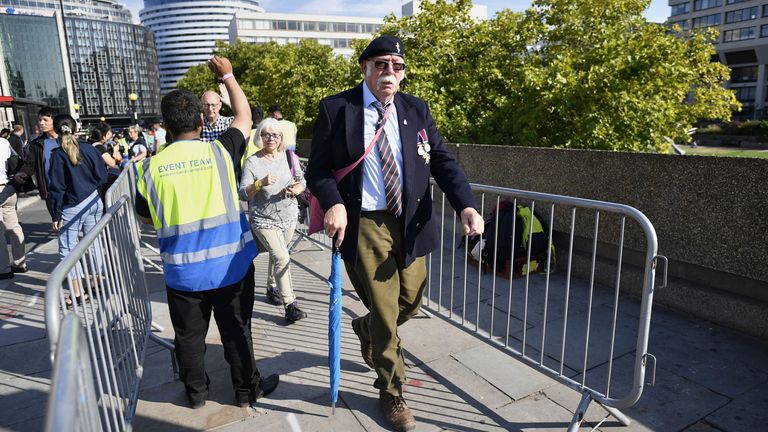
[
  {"x": 682, "y": 23},
  {"x": 765, "y": 10},
  {"x": 745, "y": 94},
  {"x": 682, "y": 8},
  {"x": 764, "y": 30},
  {"x": 310, "y": 26},
  {"x": 706, "y": 4},
  {"x": 706, "y": 21},
  {"x": 730, "y": 2},
  {"x": 739, "y": 34},
  {"x": 293, "y": 25},
  {"x": 741, "y": 15},
  {"x": 744, "y": 74},
  {"x": 245, "y": 24}
]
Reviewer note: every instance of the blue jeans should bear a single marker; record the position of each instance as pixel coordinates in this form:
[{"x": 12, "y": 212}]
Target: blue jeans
[{"x": 81, "y": 216}]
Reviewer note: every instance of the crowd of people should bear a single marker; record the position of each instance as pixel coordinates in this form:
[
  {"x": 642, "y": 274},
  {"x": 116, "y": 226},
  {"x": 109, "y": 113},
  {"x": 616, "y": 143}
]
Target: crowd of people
[{"x": 190, "y": 188}]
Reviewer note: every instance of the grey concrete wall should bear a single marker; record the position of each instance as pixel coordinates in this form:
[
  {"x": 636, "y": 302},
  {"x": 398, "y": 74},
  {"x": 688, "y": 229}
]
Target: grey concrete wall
[{"x": 710, "y": 216}]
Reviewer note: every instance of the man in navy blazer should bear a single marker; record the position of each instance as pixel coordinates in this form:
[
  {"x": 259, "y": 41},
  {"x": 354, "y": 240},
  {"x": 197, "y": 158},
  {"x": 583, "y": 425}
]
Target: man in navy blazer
[{"x": 381, "y": 213}]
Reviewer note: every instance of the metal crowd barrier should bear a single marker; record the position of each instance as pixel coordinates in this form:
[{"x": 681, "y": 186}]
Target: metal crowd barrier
[
  {"x": 72, "y": 381},
  {"x": 126, "y": 185},
  {"x": 574, "y": 330},
  {"x": 106, "y": 264}
]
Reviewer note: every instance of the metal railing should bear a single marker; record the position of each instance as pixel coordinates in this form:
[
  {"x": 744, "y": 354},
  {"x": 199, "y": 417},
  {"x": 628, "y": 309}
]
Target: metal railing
[
  {"x": 574, "y": 330},
  {"x": 106, "y": 265},
  {"x": 72, "y": 381}
]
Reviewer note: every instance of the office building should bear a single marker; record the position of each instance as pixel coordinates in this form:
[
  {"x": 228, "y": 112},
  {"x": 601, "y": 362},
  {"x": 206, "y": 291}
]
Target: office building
[
  {"x": 742, "y": 44},
  {"x": 412, "y": 7},
  {"x": 338, "y": 32},
  {"x": 186, "y": 32},
  {"x": 109, "y": 57},
  {"x": 26, "y": 84},
  {"x": 106, "y": 10}
]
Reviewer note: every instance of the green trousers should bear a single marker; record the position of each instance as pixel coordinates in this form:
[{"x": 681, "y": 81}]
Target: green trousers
[{"x": 391, "y": 292}]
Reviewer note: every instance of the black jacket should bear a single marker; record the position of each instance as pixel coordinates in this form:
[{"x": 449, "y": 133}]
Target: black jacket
[
  {"x": 337, "y": 141},
  {"x": 33, "y": 165}
]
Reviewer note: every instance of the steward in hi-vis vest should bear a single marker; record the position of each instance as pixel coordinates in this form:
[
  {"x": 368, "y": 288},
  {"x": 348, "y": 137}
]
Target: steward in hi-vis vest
[
  {"x": 205, "y": 241},
  {"x": 188, "y": 192}
]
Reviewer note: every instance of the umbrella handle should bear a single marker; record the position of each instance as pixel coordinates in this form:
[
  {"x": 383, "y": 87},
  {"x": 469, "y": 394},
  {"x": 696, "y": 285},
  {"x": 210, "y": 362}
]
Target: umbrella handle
[{"x": 334, "y": 249}]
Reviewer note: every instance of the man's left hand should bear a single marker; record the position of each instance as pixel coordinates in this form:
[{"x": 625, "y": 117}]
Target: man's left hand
[{"x": 472, "y": 221}]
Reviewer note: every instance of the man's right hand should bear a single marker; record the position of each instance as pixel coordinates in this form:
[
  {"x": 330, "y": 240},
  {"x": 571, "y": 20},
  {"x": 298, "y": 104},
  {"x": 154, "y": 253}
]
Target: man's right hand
[{"x": 335, "y": 222}]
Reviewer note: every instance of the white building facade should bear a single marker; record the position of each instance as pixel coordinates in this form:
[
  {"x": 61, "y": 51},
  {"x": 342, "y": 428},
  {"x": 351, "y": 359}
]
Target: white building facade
[
  {"x": 742, "y": 44},
  {"x": 335, "y": 31},
  {"x": 186, "y": 32}
]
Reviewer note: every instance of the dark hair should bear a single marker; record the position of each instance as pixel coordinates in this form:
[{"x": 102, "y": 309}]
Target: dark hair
[
  {"x": 96, "y": 135},
  {"x": 273, "y": 108},
  {"x": 66, "y": 127},
  {"x": 181, "y": 111},
  {"x": 46, "y": 112},
  {"x": 257, "y": 115},
  {"x": 5, "y": 132}
]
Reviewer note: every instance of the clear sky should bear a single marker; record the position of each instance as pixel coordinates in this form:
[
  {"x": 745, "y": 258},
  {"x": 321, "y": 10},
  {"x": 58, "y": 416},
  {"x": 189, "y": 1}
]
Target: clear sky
[{"x": 657, "y": 12}]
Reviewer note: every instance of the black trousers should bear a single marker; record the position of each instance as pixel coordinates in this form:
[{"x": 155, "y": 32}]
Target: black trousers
[{"x": 190, "y": 314}]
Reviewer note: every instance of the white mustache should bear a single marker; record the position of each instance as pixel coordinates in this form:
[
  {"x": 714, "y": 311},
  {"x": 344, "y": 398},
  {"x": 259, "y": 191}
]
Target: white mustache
[{"x": 386, "y": 79}]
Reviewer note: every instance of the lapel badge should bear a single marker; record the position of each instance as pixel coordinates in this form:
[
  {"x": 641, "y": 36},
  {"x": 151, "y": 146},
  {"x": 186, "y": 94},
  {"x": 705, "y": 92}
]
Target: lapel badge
[{"x": 423, "y": 148}]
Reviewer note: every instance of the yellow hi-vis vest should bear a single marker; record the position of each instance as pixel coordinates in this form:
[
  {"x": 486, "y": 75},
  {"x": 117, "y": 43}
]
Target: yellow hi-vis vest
[
  {"x": 251, "y": 147},
  {"x": 205, "y": 241}
]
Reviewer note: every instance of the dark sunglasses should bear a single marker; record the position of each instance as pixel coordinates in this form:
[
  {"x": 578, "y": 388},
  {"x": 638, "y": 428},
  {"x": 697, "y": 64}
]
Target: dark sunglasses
[{"x": 381, "y": 64}]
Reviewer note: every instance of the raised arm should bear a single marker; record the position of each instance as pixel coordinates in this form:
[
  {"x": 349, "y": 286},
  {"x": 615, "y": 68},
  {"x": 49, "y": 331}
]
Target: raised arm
[{"x": 223, "y": 69}]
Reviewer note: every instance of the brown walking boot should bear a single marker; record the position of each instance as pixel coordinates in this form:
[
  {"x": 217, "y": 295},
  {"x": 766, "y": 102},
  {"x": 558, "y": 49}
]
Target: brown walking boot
[
  {"x": 366, "y": 347},
  {"x": 396, "y": 412}
]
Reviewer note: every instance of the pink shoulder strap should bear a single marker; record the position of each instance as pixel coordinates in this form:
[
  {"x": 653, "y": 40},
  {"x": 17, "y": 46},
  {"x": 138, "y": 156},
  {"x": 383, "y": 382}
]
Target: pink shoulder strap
[{"x": 340, "y": 174}]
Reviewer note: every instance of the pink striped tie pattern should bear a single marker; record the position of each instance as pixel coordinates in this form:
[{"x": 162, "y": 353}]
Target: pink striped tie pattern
[{"x": 388, "y": 167}]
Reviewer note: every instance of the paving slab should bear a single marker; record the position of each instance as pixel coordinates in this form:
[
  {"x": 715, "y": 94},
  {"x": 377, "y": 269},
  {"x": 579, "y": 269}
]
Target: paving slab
[
  {"x": 535, "y": 413},
  {"x": 516, "y": 379},
  {"x": 748, "y": 412}
]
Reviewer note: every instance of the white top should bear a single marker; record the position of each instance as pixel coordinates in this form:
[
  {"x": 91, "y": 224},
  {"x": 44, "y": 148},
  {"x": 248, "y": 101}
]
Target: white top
[
  {"x": 374, "y": 195},
  {"x": 5, "y": 153}
]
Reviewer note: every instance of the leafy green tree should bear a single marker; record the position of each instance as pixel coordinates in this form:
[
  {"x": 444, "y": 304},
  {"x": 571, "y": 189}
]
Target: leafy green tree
[
  {"x": 574, "y": 74},
  {"x": 296, "y": 76}
]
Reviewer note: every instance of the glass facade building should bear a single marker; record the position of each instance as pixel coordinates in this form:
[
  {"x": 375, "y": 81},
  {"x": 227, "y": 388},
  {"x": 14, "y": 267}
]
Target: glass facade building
[
  {"x": 110, "y": 61},
  {"x": 186, "y": 32},
  {"x": 109, "y": 57},
  {"x": 32, "y": 62},
  {"x": 108, "y": 10}
]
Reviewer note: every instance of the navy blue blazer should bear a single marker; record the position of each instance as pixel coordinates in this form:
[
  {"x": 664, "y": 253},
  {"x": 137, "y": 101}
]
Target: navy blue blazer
[{"x": 337, "y": 142}]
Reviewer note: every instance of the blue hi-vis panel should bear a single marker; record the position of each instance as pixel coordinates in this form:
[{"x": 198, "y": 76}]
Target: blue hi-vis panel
[{"x": 212, "y": 273}]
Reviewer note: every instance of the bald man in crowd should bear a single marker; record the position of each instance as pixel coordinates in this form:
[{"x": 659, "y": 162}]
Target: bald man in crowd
[{"x": 213, "y": 124}]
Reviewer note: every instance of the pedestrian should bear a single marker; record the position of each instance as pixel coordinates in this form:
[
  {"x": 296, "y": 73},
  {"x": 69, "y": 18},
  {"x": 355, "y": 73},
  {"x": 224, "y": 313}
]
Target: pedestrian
[
  {"x": 16, "y": 139},
  {"x": 214, "y": 124},
  {"x": 9, "y": 219},
  {"x": 76, "y": 175},
  {"x": 160, "y": 134},
  {"x": 289, "y": 128},
  {"x": 381, "y": 214},
  {"x": 101, "y": 139},
  {"x": 271, "y": 188},
  {"x": 38, "y": 153},
  {"x": 5, "y": 133},
  {"x": 137, "y": 145},
  {"x": 206, "y": 245}
]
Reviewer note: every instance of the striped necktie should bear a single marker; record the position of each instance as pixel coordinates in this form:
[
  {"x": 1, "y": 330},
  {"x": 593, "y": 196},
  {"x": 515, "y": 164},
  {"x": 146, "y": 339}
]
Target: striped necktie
[{"x": 388, "y": 167}]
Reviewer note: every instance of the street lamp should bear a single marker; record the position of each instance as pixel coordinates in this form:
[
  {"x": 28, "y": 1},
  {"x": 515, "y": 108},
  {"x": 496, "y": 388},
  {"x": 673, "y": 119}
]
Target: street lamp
[
  {"x": 133, "y": 97},
  {"x": 76, "y": 109}
]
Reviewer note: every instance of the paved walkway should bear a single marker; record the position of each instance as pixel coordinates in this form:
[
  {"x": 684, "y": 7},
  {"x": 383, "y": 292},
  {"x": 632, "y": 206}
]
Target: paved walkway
[{"x": 708, "y": 378}]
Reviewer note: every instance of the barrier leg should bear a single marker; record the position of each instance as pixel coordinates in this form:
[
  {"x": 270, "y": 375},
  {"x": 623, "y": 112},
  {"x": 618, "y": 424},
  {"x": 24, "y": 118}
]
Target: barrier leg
[
  {"x": 581, "y": 412},
  {"x": 170, "y": 347},
  {"x": 618, "y": 415}
]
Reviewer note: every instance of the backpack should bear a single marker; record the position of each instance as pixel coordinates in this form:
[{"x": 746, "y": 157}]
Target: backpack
[
  {"x": 18, "y": 177},
  {"x": 499, "y": 247}
]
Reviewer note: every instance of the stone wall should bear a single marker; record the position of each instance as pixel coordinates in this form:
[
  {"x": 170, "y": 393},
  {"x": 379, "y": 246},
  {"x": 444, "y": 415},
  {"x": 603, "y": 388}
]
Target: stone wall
[{"x": 710, "y": 216}]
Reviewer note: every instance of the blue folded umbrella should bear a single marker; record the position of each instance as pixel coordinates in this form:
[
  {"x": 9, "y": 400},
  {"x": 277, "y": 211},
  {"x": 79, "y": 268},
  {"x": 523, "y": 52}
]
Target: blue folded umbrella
[{"x": 334, "y": 327}]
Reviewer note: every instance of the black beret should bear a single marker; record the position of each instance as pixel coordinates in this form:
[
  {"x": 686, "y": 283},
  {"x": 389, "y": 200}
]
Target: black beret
[{"x": 383, "y": 45}]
